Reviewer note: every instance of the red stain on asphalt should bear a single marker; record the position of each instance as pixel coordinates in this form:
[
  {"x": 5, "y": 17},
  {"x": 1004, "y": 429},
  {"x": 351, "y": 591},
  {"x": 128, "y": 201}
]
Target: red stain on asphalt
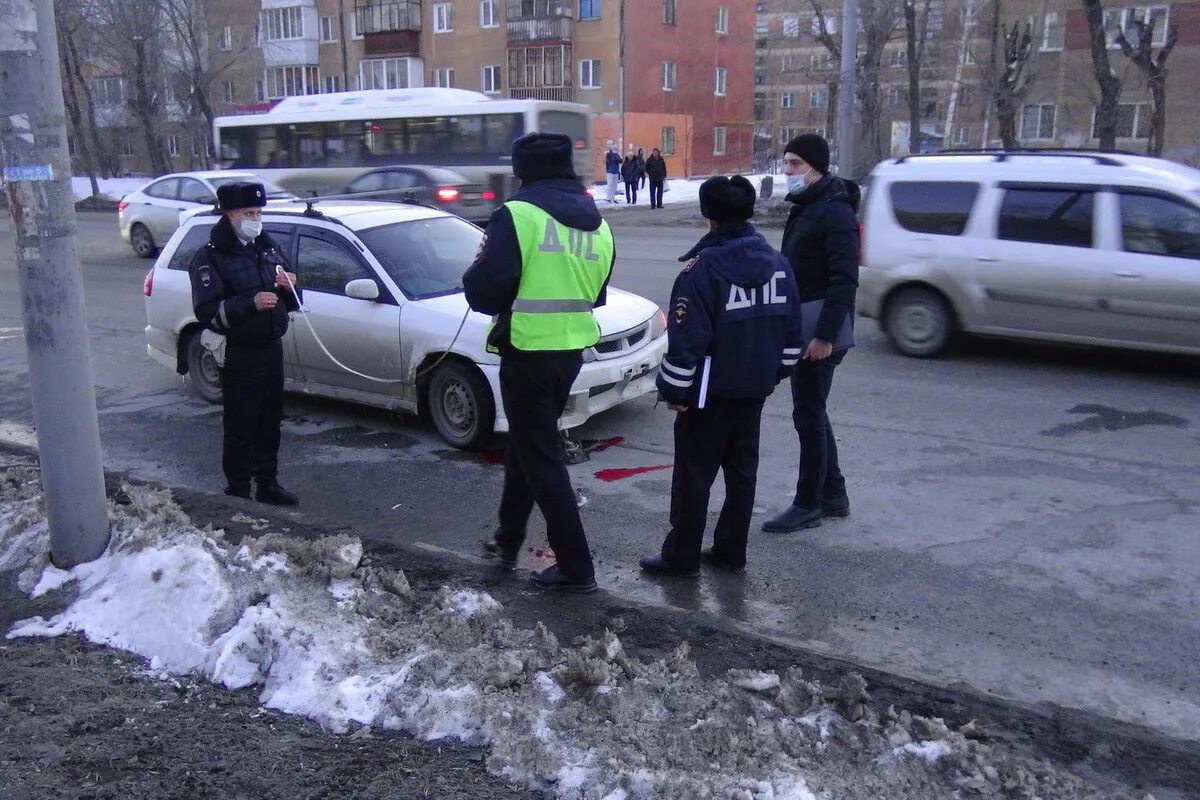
[
  {"x": 600, "y": 445},
  {"x": 621, "y": 473}
]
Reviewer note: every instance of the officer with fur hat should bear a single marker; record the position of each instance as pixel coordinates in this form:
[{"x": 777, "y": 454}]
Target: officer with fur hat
[
  {"x": 242, "y": 291},
  {"x": 542, "y": 268},
  {"x": 733, "y": 332}
]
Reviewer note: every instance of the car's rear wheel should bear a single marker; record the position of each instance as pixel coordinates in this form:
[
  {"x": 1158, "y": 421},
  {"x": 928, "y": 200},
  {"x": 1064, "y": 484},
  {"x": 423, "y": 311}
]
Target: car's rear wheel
[
  {"x": 460, "y": 404},
  {"x": 918, "y": 322},
  {"x": 142, "y": 241},
  {"x": 204, "y": 376}
]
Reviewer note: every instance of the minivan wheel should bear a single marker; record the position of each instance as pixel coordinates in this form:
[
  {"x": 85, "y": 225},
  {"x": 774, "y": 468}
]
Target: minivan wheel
[
  {"x": 142, "y": 241},
  {"x": 460, "y": 404},
  {"x": 918, "y": 322},
  {"x": 204, "y": 376}
]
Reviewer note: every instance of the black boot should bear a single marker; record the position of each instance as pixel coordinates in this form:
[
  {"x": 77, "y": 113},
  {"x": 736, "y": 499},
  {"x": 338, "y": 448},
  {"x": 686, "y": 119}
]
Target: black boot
[
  {"x": 238, "y": 491},
  {"x": 553, "y": 579},
  {"x": 272, "y": 493},
  {"x": 837, "y": 507},
  {"x": 794, "y": 518},
  {"x": 507, "y": 559},
  {"x": 657, "y": 565},
  {"x": 712, "y": 559}
]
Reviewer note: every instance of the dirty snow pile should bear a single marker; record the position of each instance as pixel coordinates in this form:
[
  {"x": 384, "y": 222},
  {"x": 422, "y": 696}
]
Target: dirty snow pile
[{"x": 321, "y": 632}]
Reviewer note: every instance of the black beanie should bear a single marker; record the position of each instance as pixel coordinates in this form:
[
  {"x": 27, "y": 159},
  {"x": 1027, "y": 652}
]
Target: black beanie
[
  {"x": 232, "y": 196},
  {"x": 813, "y": 149},
  {"x": 727, "y": 199},
  {"x": 540, "y": 156}
]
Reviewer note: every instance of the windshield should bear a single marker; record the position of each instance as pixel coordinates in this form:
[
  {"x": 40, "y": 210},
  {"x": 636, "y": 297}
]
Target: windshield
[
  {"x": 427, "y": 257},
  {"x": 274, "y": 192}
]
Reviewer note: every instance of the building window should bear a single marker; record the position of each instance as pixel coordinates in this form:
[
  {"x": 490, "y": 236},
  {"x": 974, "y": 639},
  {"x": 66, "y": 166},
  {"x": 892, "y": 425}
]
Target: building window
[
  {"x": 487, "y": 14},
  {"x": 896, "y": 97},
  {"x": 443, "y": 17},
  {"x": 668, "y": 12},
  {"x": 589, "y": 73},
  {"x": 787, "y": 100},
  {"x": 260, "y": 91},
  {"x": 1037, "y": 121},
  {"x": 383, "y": 73},
  {"x": 761, "y": 27},
  {"x": 668, "y": 141},
  {"x": 719, "y": 135},
  {"x": 791, "y": 27},
  {"x": 353, "y": 22},
  {"x": 108, "y": 91},
  {"x": 962, "y": 136},
  {"x": 830, "y": 24},
  {"x": 539, "y": 67},
  {"x": 329, "y": 32},
  {"x": 225, "y": 40},
  {"x": 292, "y": 81},
  {"x": 281, "y": 23},
  {"x": 333, "y": 83},
  {"x": 1054, "y": 33},
  {"x": 1119, "y": 21},
  {"x": 491, "y": 79},
  {"x": 589, "y": 9},
  {"x": 669, "y": 76},
  {"x": 125, "y": 145},
  {"x": 443, "y": 78},
  {"x": 819, "y": 98},
  {"x": 172, "y": 145},
  {"x": 820, "y": 61},
  {"x": 722, "y": 19},
  {"x": 1133, "y": 121},
  {"x": 721, "y": 82},
  {"x": 787, "y": 134},
  {"x": 227, "y": 94}
]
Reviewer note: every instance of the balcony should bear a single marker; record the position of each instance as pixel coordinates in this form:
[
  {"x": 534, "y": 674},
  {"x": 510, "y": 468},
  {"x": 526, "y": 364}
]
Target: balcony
[
  {"x": 389, "y": 27},
  {"x": 552, "y": 29},
  {"x": 565, "y": 94}
]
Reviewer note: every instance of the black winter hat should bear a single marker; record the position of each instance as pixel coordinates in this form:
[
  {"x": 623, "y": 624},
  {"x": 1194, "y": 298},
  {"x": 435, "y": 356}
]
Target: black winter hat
[
  {"x": 727, "y": 199},
  {"x": 540, "y": 156},
  {"x": 232, "y": 196},
  {"x": 813, "y": 149}
]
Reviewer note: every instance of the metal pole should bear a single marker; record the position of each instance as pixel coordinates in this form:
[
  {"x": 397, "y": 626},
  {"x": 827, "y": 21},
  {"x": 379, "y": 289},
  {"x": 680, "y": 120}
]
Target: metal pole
[
  {"x": 37, "y": 174},
  {"x": 845, "y": 129}
]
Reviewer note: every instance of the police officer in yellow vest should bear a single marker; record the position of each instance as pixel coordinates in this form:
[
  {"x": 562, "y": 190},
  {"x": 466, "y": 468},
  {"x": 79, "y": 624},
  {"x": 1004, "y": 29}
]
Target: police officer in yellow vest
[{"x": 542, "y": 268}]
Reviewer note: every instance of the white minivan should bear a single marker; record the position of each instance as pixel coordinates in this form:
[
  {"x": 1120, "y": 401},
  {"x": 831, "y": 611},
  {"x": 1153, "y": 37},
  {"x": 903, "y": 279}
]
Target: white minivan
[{"x": 1070, "y": 246}]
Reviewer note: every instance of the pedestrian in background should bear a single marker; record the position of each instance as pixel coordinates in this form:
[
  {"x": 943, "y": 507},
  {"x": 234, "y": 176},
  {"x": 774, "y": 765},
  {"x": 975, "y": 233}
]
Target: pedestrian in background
[
  {"x": 821, "y": 241},
  {"x": 656, "y": 173},
  {"x": 242, "y": 291},
  {"x": 612, "y": 172},
  {"x": 629, "y": 173},
  {"x": 641, "y": 159},
  {"x": 733, "y": 332},
  {"x": 542, "y": 268}
]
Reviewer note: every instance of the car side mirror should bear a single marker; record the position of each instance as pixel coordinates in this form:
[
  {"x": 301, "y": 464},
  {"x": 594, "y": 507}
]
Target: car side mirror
[{"x": 362, "y": 289}]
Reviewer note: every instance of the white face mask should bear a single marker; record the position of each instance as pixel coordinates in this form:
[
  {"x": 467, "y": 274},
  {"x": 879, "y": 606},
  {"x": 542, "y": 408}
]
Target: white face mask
[{"x": 250, "y": 229}]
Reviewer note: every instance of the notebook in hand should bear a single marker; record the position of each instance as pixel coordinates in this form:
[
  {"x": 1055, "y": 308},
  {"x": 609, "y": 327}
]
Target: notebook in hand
[{"x": 810, "y": 312}]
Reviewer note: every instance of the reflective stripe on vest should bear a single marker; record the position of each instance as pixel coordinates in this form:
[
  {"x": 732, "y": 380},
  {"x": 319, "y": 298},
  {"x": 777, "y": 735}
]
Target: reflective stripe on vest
[{"x": 562, "y": 272}]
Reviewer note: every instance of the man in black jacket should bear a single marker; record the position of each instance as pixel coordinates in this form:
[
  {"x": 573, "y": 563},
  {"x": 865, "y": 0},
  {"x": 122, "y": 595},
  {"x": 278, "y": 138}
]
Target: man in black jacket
[
  {"x": 536, "y": 376},
  {"x": 656, "y": 173},
  {"x": 821, "y": 241},
  {"x": 242, "y": 291},
  {"x": 733, "y": 332}
]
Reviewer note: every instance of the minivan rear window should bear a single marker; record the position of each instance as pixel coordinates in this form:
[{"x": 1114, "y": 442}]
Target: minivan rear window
[
  {"x": 1049, "y": 215},
  {"x": 939, "y": 207}
]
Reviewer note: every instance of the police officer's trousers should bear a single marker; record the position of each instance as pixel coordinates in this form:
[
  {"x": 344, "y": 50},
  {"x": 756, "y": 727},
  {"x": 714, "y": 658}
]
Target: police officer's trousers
[
  {"x": 535, "y": 388},
  {"x": 722, "y": 435},
  {"x": 252, "y": 384}
]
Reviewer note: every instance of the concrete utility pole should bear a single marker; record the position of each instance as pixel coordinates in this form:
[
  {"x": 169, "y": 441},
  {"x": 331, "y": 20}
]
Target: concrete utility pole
[
  {"x": 848, "y": 91},
  {"x": 37, "y": 175}
]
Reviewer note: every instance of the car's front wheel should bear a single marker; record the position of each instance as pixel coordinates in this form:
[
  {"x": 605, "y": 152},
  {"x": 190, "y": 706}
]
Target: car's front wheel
[
  {"x": 203, "y": 375},
  {"x": 918, "y": 322},
  {"x": 460, "y": 404},
  {"x": 142, "y": 241}
]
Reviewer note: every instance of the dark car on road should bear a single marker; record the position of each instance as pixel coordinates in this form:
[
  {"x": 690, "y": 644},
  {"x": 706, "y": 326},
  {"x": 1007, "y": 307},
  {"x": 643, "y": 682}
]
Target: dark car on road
[{"x": 441, "y": 188}]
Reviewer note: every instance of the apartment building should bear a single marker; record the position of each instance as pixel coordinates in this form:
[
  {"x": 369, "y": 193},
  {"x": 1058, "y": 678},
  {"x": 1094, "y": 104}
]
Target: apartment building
[{"x": 673, "y": 74}]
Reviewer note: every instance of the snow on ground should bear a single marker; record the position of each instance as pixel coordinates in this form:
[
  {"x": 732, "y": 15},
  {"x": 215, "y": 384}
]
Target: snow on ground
[
  {"x": 675, "y": 191},
  {"x": 322, "y": 632},
  {"x": 110, "y": 188}
]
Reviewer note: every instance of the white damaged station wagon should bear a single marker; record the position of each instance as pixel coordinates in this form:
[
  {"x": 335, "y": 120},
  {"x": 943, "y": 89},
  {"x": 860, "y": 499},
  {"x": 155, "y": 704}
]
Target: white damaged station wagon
[{"x": 382, "y": 289}]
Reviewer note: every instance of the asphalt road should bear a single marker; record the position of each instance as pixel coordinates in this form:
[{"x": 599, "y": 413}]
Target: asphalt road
[{"x": 1026, "y": 518}]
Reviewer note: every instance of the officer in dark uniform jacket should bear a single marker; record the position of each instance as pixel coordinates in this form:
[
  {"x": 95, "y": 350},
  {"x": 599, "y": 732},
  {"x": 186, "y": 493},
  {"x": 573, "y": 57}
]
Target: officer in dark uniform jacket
[
  {"x": 241, "y": 290},
  {"x": 733, "y": 333}
]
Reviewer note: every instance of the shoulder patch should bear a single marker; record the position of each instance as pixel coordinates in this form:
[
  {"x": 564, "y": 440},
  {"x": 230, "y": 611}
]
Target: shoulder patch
[
  {"x": 205, "y": 275},
  {"x": 679, "y": 309},
  {"x": 690, "y": 264}
]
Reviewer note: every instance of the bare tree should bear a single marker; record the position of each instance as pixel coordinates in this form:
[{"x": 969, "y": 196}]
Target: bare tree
[
  {"x": 1154, "y": 68},
  {"x": 914, "y": 36},
  {"x": 84, "y": 130},
  {"x": 878, "y": 22},
  {"x": 1012, "y": 80},
  {"x": 1106, "y": 77},
  {"x": 128, "y": 35}
]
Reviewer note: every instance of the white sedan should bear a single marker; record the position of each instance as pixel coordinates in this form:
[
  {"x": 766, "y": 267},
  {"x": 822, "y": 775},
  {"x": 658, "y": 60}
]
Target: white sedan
[
  {"x": 147, "y": 217},
  {"x": 383, "y": 293}
]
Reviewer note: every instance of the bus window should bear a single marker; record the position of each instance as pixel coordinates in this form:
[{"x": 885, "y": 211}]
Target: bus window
[
  {"x": 501, "y": 130},
  {"x": 568, "y": 122},
  {"x": 466, "y": 135}
]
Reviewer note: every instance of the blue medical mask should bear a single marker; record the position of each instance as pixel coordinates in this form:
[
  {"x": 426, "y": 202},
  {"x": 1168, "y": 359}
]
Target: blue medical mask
[
  {"x": 250, "y": 229},
  {"x": 796, "y": 183}
]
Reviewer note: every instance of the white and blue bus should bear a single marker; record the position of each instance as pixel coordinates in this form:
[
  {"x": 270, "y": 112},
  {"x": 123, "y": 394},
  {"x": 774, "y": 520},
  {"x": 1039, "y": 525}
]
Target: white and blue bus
[{"x": 320, "y": 143}]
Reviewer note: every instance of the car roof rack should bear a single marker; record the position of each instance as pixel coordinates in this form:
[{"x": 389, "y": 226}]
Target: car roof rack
[
  {"x": 310, "y": 203},
  {"x": 1104, "y": 157}
]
